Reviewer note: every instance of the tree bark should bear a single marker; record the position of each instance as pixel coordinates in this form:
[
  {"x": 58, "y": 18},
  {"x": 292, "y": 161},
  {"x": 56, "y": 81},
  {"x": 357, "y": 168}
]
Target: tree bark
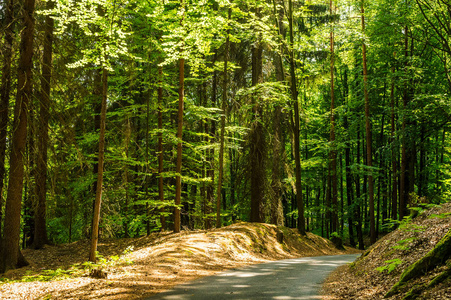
[
  {"x": 296, "y": 129},
  {"x": 40, "y": 227},
  {"x": 160, "y": 147},
  {"x": 11, "y": 252},
  {"x": 333, "y": 151},
  {"x": 369, "y": 156},
  {"x": 223, "y": 116},
  {"x": 278, "y": 148},
  {"x": 5, "y": 90},
  {"x": 178, "y": 169},
  {"x": 394, "y": 196},
  {"x": 101, "y": 157},
  {"x": 257, "y": 142}
]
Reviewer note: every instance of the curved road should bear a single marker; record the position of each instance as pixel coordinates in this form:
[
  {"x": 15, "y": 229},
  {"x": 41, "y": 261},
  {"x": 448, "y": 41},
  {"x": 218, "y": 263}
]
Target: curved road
[{"x": 299, "y": 278}]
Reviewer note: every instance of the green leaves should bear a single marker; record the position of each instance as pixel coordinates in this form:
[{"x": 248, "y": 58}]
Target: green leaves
[{"x": 390, "y": 265}]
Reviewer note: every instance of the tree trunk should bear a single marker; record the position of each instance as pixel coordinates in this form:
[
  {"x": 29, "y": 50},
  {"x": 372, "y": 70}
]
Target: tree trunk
[
  {"x": 160, "y": 147},
  {"x": 223, "y": 116},
  {"x": 369, "y": 158},
  {"x": 437, "y": 256},
  {"x": 178, "y": 170},
  {"x": 333, "y": 151},
  {"x": 349, "y": 185},
  {"x": 256, "y": 136},
  {"x": 101, "y": 156},
  {"x": 5, "y": 90},
  {"x": 278, "y": 148},
  {"x": 394, "y": 196},
  {"x": 40, "y": 227},
  {"x": 357, "y": 209},
  {"x": 296, "y": 129},
  {"x": 11, "y": 252}
]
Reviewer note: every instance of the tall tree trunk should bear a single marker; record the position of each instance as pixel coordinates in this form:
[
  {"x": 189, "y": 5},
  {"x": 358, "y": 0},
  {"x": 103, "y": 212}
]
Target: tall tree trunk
[
  {"x": 11, "y": 256},
  {"x": 394, "y": 196},
  {"x": 5, "y": 90},
  {"x": 223, "y": 116},
  {"x": 276, "y": 204},
  {"x": 349, "y": 185},
  {"x": 357, "y": 209},
  {"x": 160, "y": 147},
  {"x": 404, "y": 180},
  {"x": 128, "y": 133},
  {"x": 40, "y": 227},
  {"x": 178, "y": 169},
  {"x": 296, "y": 129},
  {"x": 256, "y": 136},
  {"x": 369, "y": 158},
  {"x": 333, "y": 151},
  {"x": 101, "y": 156}
]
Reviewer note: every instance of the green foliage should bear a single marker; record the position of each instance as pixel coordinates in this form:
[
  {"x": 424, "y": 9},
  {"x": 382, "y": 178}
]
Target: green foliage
[
  {"x": 390, "y": 265},
  {"x": 76, "y": 270},
  {"x": 404, "y": 244}
]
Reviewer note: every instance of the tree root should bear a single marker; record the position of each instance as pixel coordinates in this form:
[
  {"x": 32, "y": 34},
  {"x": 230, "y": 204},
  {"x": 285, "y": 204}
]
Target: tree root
[{"x": 435, "y": 257}]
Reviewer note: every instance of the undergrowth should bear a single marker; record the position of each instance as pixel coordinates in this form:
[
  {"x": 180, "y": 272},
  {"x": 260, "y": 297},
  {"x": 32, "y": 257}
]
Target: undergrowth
[{"x": 76, "y": 270}]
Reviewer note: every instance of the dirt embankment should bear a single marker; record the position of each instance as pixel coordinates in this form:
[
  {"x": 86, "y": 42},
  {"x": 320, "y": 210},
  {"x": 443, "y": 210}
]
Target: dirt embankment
[
  {"x": 160, "y": 261},
  {"x": 374, "y": 274}
]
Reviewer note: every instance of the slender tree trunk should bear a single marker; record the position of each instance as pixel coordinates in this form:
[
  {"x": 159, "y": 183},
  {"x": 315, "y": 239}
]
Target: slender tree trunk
[
  {"x": 128, "y": 132},
  {"x": 333, "y": 151},
  {"x": 40, "y": 226},
  {"x": 223, "y": 116},
  {"x": 5, "y": 90},
  {"x": 178, "y": 178},
  {"x": 404, "y": 180},
  {"x": 369, "y": 158},
  {"x": 276, "y": 204},
  {"x": 357, "y": 209},
  {"x": 101, "y": 156},
  {"x": 349, "y": 185},
  {"x": 160, "y": 147},
  {"x": 256, "y": 136},
  {"x": 296, "y": 129},
  {"x": 178, "y": 170},
  {"x": 11, "y": 256},
  {"x": 394, "y": 196}
]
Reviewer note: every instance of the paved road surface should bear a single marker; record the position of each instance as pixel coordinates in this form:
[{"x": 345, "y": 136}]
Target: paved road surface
[{"x": 279, "y": 280}]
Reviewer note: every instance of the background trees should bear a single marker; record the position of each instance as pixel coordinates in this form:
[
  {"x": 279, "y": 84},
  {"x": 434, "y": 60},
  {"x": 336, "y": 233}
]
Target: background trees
[{"x": 267, "y": 92}]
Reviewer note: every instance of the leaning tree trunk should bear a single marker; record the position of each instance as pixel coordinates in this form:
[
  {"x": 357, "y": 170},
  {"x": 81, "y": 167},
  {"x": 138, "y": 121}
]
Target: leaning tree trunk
[
  {"x": 40, "y": 227},
  {"x": 11, "y": 252}
]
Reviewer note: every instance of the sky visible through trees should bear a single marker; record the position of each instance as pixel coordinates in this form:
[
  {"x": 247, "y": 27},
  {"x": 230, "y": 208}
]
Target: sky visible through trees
[{"x": 120, "y": 118}]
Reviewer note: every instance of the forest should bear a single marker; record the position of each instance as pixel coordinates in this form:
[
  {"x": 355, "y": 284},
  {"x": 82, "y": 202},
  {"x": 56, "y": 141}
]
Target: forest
[{"x": 122, "y": 118}]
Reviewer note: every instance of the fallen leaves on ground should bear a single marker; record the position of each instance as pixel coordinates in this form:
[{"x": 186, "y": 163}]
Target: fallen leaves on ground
[{"x": 161, "y": 261}]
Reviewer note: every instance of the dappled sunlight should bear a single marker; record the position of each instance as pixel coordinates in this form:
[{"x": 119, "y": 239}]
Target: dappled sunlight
[{"x": 163, "y": 260}]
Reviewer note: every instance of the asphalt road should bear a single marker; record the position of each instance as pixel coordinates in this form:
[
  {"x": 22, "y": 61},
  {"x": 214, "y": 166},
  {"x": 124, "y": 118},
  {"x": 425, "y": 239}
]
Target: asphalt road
[{"x": 299, "y": 278}]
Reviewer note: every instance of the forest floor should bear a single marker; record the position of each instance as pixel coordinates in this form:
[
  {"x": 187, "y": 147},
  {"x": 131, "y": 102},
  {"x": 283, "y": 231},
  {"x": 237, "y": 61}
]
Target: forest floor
[
  {"x": 155, "y": 263},
  {"x": 393, "y": 254}
]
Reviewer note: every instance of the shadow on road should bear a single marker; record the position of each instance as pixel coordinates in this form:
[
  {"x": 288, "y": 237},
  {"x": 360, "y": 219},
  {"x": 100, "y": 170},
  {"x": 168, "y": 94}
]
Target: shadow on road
[{"x": 286, "y": 279}]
